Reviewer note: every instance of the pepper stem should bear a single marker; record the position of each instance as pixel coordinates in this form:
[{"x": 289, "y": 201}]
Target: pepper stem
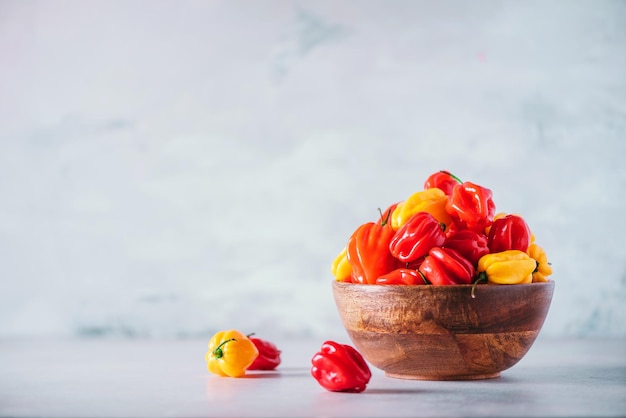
[
  {"x": 218, "y": 352},
  {"x": 422, "y": 276},
  {"x": 384, "y": 221},
  {"x": 453, "y": 176},
  {"x": 482, "y": 276}
]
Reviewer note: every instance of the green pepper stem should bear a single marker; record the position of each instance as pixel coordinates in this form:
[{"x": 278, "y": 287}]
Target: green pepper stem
[
  {"x": 384, "y": 222},
  {"x": 453, "y": 176},
  {"x": 482, "y": 276},
  {"x": 422, "y": 276},
  {"x": 218, "y": 353},
  {"x": 536, "y": 267}
]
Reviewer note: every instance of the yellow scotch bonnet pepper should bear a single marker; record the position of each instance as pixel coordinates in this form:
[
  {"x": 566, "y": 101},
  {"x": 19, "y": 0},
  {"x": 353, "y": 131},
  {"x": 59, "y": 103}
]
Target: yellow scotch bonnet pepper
[
  {"x": 543, "y": 269},
  {"x": 230, "y": 353},
  {"x": 341, "y": 267},
  {"x": 506, "y": 267},
  {"x": 432, "y": 200}
]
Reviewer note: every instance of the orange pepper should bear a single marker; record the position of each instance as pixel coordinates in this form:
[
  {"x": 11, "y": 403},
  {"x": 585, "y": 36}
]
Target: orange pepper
[{"x": 368, "y": 252}]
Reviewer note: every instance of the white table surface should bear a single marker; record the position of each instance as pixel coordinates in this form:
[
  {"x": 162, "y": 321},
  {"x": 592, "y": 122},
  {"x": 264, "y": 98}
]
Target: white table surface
[{"x": 148, "y": 378}]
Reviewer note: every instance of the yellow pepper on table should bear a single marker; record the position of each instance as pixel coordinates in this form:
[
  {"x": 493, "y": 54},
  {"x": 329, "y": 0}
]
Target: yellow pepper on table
[
  {"x": 230, "y": 353},
  {"x": 543, "y": 269},
  {"x": 432, "y": 200},
  {"x": 506, "y": 267}
]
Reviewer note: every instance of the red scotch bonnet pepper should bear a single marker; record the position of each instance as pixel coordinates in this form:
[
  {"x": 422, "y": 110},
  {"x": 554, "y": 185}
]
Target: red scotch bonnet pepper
[
  {"x": 470, "y": 244},
  {"x": 471, "y": 206},
  {"x": 269, "y": 355},
  {"x": 406, "y": 276},
  {"x": 510, "y": 232},
  {"x": 416, "y": 237},
  {"x": 340, "y": 368},
  {"x": 443, "y": 180},
  {"x": 446, "y": 266}
]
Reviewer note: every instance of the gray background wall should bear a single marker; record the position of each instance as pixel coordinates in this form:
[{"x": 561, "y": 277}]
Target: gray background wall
[{"x": 169, "y": 169}]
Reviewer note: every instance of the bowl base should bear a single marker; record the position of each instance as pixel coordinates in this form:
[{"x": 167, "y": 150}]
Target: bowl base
[{"x": 443, "y": 377}]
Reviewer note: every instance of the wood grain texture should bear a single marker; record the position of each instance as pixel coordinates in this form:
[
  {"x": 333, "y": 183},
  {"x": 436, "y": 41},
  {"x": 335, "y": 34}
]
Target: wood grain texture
[{"x": 441, "y": 332}]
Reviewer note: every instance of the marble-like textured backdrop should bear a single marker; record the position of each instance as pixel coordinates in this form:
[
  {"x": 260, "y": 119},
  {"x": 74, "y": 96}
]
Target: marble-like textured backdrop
[{"x": 171, "y": 168}]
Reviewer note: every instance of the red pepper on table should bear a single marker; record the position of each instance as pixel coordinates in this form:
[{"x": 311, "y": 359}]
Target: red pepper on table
[
  {"x": 471, "y": 206},
  {"x": 444, "y": 266},
  {"x": 416, "y": 237},
  {"x": 368, "y": 252},
  {"x": 470, "y": 244},
  {"x": 269, "y": 355},
  {"x": 340, "y": 368},
  {"x": 401, "y": 276},
  {"x": 443, "y": 180},
  {"x": 510, "y": 232}
]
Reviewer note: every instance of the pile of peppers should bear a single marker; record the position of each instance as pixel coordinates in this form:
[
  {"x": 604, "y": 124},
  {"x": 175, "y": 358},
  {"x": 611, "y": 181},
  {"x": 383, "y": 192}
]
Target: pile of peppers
[{"x": 446, "y": 234}]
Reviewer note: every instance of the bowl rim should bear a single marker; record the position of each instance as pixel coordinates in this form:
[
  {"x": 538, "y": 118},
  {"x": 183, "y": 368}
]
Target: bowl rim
[{"x": 432, "y": 286}]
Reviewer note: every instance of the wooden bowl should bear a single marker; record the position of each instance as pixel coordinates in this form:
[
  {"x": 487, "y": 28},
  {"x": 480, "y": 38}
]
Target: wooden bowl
[{"x": 441, "y": 332}]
